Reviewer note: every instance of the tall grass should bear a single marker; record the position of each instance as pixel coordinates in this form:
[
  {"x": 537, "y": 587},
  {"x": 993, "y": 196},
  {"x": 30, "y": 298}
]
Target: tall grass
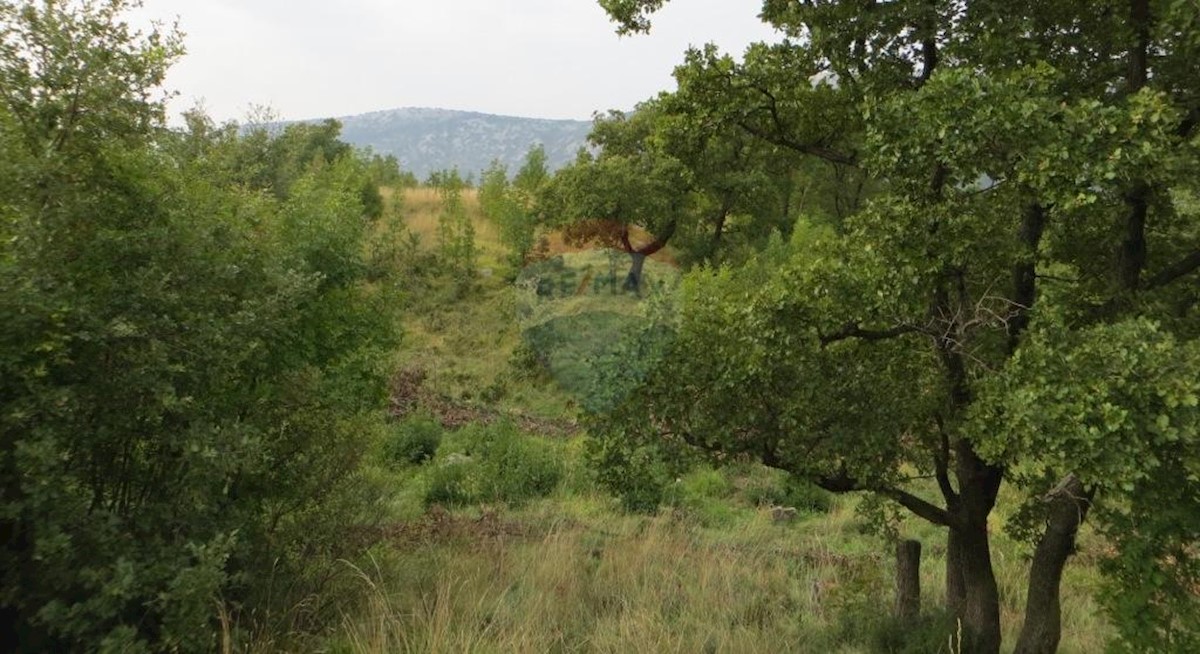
[
  {"x": 597, "y": 581},
  {"x": 422, "y": 206}
]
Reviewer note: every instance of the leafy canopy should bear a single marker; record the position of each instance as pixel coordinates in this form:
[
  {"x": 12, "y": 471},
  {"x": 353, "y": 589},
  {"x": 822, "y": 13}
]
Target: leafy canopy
[{"x": 1012, "y": 299}]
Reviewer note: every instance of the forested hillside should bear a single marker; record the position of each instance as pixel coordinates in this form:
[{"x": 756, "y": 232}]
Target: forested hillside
[{"x": 880, "y": 338}]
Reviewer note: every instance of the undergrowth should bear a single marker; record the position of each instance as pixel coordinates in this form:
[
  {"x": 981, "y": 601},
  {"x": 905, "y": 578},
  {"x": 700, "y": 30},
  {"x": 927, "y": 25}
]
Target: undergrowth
[{"x": 505, "y": 540}]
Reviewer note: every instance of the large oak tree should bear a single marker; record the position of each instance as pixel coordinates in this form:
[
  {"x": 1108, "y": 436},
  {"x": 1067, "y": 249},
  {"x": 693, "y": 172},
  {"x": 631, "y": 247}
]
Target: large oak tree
[{"x": 1015, "y": 303}]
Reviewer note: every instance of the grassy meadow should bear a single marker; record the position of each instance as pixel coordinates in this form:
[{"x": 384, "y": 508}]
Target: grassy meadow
[{"x": 495, "y": 536}]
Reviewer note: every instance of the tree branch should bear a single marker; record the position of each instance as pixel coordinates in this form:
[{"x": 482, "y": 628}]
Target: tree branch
[
  {"x": 1189, "y": 123},
  {"x": 1132, "y": 255},
  {"x": 660, "y": 241},
  {"x": 1025, "y": 273},
  {"x": 1139, "y": 54},
  {"x": 779, "y": 137},
  {"x": 929, "y": 47},
  {"x": 1174, "y": 271},
  {"x": 853, "y": 330},
  {"x": 843, "y": 483},
  {"x": 803, "y": 148},
  {"x": 920, "y": 507},
  {"x": 941, "y": 461}
]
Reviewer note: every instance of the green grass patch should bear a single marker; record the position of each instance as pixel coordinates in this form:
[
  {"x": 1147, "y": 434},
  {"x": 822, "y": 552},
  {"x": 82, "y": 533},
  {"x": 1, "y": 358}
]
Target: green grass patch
[{"x": 493, "y": 463}]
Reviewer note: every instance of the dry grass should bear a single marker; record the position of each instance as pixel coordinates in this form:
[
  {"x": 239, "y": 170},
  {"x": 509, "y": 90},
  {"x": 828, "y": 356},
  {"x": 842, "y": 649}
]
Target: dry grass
[
  {"x": 632, "y": 585},
  {"x": 597, "y": 581},
  {"x": 421, "y": 207},
  {"x": 466, "y": 345}
]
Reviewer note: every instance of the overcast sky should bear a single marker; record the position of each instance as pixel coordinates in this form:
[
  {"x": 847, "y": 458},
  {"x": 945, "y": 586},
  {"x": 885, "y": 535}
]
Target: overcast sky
[{"x": 538, "y": 58}]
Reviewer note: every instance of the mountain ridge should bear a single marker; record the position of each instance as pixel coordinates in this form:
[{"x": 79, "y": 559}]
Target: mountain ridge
[{"x": 427, "y": 139}]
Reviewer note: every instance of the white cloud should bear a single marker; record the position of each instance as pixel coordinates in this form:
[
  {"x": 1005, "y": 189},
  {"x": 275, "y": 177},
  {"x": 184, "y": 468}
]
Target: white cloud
[{"x": 543, "y": 58}]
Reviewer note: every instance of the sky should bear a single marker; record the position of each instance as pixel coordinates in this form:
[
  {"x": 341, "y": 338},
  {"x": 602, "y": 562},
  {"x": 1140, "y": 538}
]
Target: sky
[{"x": 536, "y": 58}]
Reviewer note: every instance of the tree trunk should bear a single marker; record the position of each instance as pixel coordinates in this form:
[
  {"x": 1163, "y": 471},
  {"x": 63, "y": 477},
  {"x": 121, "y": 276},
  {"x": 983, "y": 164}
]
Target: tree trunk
[
  {"x": 980, "y": 612},
  {"x": 718, "y": 233},
  {"x": 908, "y": 580},
  {"x": 978, "y": 484},
  {"x": 633, "y": 281},
  {"x": 1069, "y": 504},
  {"x": 956, "y": 589}
]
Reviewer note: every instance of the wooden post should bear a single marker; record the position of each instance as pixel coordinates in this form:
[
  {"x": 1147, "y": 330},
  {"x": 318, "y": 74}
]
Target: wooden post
[{"x": 908, "y": 580}]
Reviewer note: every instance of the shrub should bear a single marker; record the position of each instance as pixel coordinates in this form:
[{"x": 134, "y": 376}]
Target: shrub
[
  {"x": 452, "y": 482},
  {"x": 494, "y": 463},
  {"x": 778, "y": 489},
  {"x": 806, "y": 496},
  {"x": 515, "y": 467},
  {"x": 414, "y": 440},
  {"x": 190, "y": 361},
  {"x": 638, "y": 476},
  {"x": 526, "y": 362},
  {"x": 705, "y": 483},
  {"x": 764, "y": 487},
  {"x": 703, "y": 493}
]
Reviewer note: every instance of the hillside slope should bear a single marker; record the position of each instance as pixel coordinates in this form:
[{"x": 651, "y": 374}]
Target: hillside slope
[{"x": 425, "y": 140}]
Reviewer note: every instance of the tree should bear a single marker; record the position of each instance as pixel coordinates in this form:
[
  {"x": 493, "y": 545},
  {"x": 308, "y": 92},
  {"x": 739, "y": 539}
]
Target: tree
[
  {"x": 187, "y": 370},
  {"x": 758, "y": 111},
  {"x": 511, "y": 205},
  {"x": 385, "y": 170},
  {"x": 742, "y": 186},
  {"x": 456, "y": 232},
  {"x": 630, "y": 183},
  {"x": 683, "y": 174},
  {"x": 994, "y": 312},
  {"x": 493, "y": 187},
  {"x": 534, "y": 172}
]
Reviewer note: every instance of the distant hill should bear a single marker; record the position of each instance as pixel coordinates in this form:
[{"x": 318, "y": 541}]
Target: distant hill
[{"x": 425, "y": 140}]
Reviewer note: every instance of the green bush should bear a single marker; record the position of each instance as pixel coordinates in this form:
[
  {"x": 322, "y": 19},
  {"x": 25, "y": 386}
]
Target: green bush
[
  {"x": 526, "y": 362},
  {"x": 453, "y": 482},
  {"x": 704, "y": 483},
  {"x": 637, "y": 475},
  {"x": 702, "y": 493},
  {"x": 769, "y": 488},
  {"x": 493, "y": 463},
  {"x": 806, "y": 496},
  {"x": 412, "y": 441},
  {"x": 516, "y": 467},
  {"x": 764, "y": 487},
  {"x": 190, "y": 361}
]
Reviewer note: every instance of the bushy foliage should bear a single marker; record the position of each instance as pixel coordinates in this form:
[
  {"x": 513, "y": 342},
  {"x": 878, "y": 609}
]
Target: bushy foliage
[
  {"x": 1007, "y": 297},
  {"x": 516, "y": 466},
  {"x": 456, "y": 232},
  {"x": 704, "y": 482},
  {"x": 511, "y": 204},
  {"x": 384, "y": 170},
  {"x": 412, "y": 441},
  {"x": 452, "y": 482},
  {"x": 787, "y": 490},
  {"x": 190, "y": 366},
  {"x": 704, "y": 493},
  {"x": 493, "y": 463},
  {"x": 638, "y": 475}
]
